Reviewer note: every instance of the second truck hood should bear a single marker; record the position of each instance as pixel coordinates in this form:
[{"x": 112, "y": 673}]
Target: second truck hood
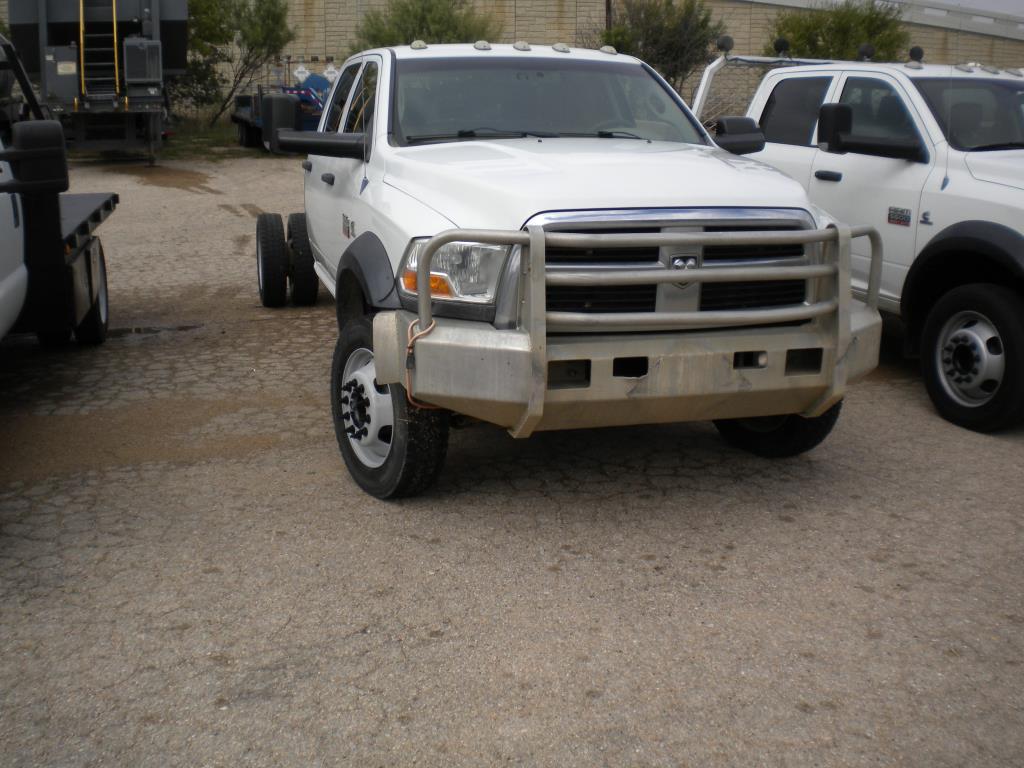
[
  {"x": 501, "y": 184},
  {"x": 999, "y": 167}
]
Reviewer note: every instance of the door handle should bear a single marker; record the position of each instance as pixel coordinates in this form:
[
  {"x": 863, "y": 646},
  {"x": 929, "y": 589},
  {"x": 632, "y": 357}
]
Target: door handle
[
  {"x": 828, "y": 175},
  {"x": 327, "y": 178},
  {"x": 307, "y": 165}
]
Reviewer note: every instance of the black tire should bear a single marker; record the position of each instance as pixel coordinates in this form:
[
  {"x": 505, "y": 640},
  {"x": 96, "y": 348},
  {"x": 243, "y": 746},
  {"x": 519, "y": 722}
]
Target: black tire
[
  {"x": 779, "y": 437},
  {"x": 972, "y": 356},
  {"x": 93, "y": 328},
  {"x": 271, "y": 260},
  {"x": 302, "y": 276},
  {"x": 418, "y": 438}
]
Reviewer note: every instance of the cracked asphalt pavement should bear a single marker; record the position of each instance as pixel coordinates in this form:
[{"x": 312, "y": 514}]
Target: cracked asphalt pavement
[{"x": 188, "y": 577}]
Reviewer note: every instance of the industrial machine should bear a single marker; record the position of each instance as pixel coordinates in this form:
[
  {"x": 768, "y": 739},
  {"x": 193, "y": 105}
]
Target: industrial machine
[{"x": 100, "y": 65}]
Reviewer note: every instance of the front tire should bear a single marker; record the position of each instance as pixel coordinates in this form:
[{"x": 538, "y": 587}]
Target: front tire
[
  {"x": 779, "y": 437},
  {"x": 302, "y": 276},
  {"x": 271, "y": 260},
  {"x": 391, "y": 448},
  {"x": 972, "y": 356}
]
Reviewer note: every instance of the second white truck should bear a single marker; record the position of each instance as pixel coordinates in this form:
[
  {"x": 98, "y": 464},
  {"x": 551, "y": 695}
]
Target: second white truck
[{"x": 932, "y": 157}]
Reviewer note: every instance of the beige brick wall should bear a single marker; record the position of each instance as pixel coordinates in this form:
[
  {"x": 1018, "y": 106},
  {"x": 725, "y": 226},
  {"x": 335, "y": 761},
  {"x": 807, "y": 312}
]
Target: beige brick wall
[{"x": 327, "y": 27}]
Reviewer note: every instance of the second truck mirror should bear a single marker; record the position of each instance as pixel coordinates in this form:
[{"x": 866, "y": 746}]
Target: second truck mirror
[
  {"x": 834, "y": 120},
  {"x": 38, "y": 158}
]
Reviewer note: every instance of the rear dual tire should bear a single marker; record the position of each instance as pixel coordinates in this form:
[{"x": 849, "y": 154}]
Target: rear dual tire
[{"x": 284, "y": 261}]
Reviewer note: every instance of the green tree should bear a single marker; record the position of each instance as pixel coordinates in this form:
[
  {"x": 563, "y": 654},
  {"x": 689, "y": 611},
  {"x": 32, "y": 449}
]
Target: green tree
[
  {"x": 673, "y": 36},
  {"x": 260, "y": 32},
  {"x": 837, "y": 31},
  {"x": 433, "y": 21},
  {"x": 230, "y": 41},
  {"x": 210, "y": 33}
]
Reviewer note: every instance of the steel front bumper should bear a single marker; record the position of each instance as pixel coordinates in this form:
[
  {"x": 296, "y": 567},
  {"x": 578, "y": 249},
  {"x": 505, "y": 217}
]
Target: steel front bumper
[
  {"x": 560, "y": 370},
  {"x": 473, "y": 369}
]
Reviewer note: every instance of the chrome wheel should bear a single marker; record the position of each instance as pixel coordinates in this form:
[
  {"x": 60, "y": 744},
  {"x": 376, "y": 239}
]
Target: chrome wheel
[
  {"x": 971, "y": 359},
  {"x": 366, "y": 410}
]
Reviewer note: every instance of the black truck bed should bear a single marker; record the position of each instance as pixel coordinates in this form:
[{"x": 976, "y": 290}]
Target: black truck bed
[{"x": 80, "y": 214}]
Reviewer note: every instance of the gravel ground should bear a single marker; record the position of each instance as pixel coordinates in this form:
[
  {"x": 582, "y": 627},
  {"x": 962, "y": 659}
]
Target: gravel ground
[{"x": 189, "y": 577}]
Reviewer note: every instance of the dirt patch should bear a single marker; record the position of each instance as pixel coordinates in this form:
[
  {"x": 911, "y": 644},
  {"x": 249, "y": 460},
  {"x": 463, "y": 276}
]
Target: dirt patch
[
  {"x": 169, "y": 177},
  {"x": 157, "y": 430}
]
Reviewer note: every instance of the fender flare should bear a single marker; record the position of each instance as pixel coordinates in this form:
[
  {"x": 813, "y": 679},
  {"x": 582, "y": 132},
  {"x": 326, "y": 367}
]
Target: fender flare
[
  {"x": 935, "y": 269},
  {"x": 367, "y": 260}
]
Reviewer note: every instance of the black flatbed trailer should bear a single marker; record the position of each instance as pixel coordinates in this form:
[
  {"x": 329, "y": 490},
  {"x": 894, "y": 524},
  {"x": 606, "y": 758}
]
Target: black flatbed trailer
[{"x": 67, "y": 276}]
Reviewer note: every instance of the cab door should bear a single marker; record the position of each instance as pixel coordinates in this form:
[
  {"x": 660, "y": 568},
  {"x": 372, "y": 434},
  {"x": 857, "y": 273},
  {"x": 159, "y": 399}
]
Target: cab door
[
  {"x": 344, "y": 181},
  {"x": 881, "y": 191},
  {"x": 324, "y": 236},
  {"x": 787, "y": 111}
]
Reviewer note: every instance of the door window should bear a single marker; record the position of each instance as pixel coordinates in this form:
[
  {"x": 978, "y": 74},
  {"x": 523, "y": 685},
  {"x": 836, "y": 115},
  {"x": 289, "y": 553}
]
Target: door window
[
  {"x": 792, "y": 109},
  {"x": 878, "y": 111},
  {"x": 337, "y": 108},
  {"x": 364, "y": 100}
]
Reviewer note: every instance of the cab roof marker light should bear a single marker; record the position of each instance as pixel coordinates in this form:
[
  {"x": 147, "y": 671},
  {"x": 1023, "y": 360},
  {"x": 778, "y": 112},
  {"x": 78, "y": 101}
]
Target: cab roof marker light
[
  {"x": 1015, "y": 72},
  {"x": 610, "y": 50},
  {"x": 418, "y": 45},
  {"x": 560, "y": 47},
  {"x": 964, "y": 67},
  {"x": 482, "y": 45},
  {"x": 521, "y": 45}
]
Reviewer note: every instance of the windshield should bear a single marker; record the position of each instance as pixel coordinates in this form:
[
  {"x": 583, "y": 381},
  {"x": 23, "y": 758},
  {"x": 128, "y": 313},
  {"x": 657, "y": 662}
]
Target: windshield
[
  {"x": 475, "y": 98},
  {"x": 977, "y": 115}
]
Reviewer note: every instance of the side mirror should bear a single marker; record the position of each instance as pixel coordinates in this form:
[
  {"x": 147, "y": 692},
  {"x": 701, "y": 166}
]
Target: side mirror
[
  {"x": 739, "y": 135},
  {"x": 835, "y": 134},
  {"x": 279, "y": 111},
  {"x": 38, "y": 158},
  {"x": 835, "y": 121},
  {"x": 282, "y": 119},
  {"x": 350, "y": 145}
]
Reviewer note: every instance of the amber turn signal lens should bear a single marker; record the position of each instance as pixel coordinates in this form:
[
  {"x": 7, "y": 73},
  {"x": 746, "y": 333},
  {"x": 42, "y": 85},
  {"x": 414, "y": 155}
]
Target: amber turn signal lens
[{"x": 438, "y": 285}]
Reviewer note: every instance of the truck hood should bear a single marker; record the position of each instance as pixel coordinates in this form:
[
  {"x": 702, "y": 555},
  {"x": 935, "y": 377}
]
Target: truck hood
[
  {"x": 1004, "y": 167},
  {"x": 502, "y": 184}
]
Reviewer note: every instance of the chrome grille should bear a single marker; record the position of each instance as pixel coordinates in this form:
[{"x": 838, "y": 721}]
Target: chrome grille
[
  {"x": 624, "y": 298},
  {"x": 777, "y": 293}
]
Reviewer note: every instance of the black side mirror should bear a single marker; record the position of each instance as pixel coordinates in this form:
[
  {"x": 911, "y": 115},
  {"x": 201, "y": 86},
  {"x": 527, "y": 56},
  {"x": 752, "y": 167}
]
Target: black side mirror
[
  {"x": 279, "y": 111},
  {"x": 739, "y": 135},
  {"x": 350, "y": 145},
  {"x": 835, "y": 134},
  {"x": 38, "y": 158},
  {"x": 282, "y": 120},
  {"x": 835, "y": 121}
]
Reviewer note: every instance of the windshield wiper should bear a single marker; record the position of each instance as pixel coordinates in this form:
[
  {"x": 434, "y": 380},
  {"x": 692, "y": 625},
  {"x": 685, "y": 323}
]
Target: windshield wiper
[
  {"x": 477, "y": 133},
  {"x": 994, "y": 147},
  {"x": 606, "y": 135}
]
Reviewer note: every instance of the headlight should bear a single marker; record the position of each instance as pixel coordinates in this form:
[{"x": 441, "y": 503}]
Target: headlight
[{"x": 465, "y": 272}]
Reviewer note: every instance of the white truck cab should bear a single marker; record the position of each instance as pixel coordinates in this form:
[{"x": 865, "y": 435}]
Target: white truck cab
[
  {"x": 933, "y": 158},
  {"x": 546, "y": 238}
]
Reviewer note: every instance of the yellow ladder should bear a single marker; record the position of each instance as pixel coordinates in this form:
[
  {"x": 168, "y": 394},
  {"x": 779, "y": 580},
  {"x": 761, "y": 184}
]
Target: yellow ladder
[{"x": 99, "y": 65}]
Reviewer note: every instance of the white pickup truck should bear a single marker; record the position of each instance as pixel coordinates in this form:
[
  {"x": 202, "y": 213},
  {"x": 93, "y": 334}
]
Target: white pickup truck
[
  {"x": 546, "y": 238},
  {"x": 933, "y": 157}
]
